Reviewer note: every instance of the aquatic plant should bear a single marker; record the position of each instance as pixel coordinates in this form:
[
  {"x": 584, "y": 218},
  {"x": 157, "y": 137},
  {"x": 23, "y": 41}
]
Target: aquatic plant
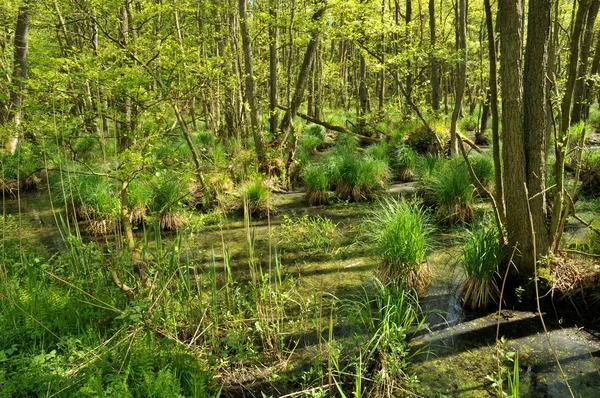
[
  {"x": 379, "y": 151},
  {"x": 481, "y": 257},
  {"x": 256, "y": 196},
  {"x": 453, "y": 193},
  {"x": 313, "y": 136},
  {"x": 400, "y": 232},
  {"x": 311, "y": 234},
  {"x": 169, "y": 191},
  {"x": 483, "y": 166},
  {"x": 317, "y": 185},
  {"x": 140, "y": 196},
  {"x": 390, "y": 314},
  {"x": 404, "y": 162},
  {"x": 360, "y": 178}
]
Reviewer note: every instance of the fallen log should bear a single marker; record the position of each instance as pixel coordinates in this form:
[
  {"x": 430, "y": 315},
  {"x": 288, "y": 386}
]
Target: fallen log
[{"x": 333, "y": 127}]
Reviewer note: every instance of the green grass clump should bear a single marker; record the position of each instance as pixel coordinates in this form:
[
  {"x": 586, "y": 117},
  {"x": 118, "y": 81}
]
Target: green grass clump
[
  {"x": 590, "y": 173},
  {"x": 390, "y": 314},
  {"x": 347, "y": 141},
  {"x": 18, "y": 171},
  {"x": 169, "y": 191},
  {"x": 317, "y": 185},
  {"x": 360, "y": 178},
  {"x": 468, "y": 123},
  {"x": 312, "y": 137},
  {"x": 401, "y": 232},
  {"x": 140, "y": 197},
  {"x": 482, "y": 255},
  {"x": 404, "y": 162},
  {"x": 453, "y": 192},
  {"x": 378, "y": 151},
  {"x": 483, "y": 166},
  {"x": 256, "y": 196}
]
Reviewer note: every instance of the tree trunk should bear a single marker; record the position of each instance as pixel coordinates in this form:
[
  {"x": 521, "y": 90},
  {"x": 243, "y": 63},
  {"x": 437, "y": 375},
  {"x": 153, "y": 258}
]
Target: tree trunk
[
  {"x": 461, "y": 72},
  {"x": 524, "y": 116},
  {"x": 301, "y": 82},
  {"x": 580, "y": 85},
  {"x": 255, "y": 125},
  {"x": 19, "y": 78},
  {"x": 493, "y": 100},
  {"x": 536, "y": 118},
  {"x": 435, "y": 80},
  {"x": 574, "y": 50},
  {"x": 273, "y": 61}
]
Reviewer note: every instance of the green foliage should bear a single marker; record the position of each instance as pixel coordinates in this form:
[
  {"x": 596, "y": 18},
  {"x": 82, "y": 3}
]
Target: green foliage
[
  {"x": 593, "y": 238},
  {"x": 256, "y": 196},
  {"x": 169, "y": 191},
  {"x": 590, "y": 172},
  {"x": 313, "y": 136},
  {"x": 404, "y": 162},
  {"x": 317, "y": 185},
  {"x": 453, "y": 192},
  {"x": 483, "y": 166},
  {"x": 378, "y": 151},
  {"x": 22, "y": 166},
  {"x": 346, "y": 141},
  {"x": 400, "y": 232},
  {"x": 468, "y": 123},
  {"x": 359, "y": 178},
  {"x": 481, "y": 257}
]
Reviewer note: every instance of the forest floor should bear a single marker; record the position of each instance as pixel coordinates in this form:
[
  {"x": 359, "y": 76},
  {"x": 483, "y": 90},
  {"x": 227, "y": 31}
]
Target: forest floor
[{"x": 460, "y": 351}]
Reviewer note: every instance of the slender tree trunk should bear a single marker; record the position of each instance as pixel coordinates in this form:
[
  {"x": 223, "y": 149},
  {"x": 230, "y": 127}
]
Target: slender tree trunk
[
  {"x": 273, "y": 61},
  {"x": 19, "y": 78},
  {"x": 580, "y": 85},
  {"x": 408, "y": 38},
  {"x": 255, "y": 125},
  {"x": 461, "y": 72},
  {"x": 574, "y": 51},
  {"x": 435, "y": 80},
  {"x": 301, "y": 82},
  {"x": 493, "y": 100}
]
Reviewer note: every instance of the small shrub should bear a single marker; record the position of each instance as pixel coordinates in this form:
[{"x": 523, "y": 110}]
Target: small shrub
[
  {"x": 482, "y": 254},
  {"x": 317, "y": 185},
  {"x": 401, "y": 232},
  {"x": 404, "y": 162}
]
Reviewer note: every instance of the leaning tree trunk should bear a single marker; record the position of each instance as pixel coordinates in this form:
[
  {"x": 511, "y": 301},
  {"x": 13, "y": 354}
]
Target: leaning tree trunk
[
  {"x": 19, "y": 77},
  {"x": 461, "y": 72},
  {"x": 309, "y": 56},
  {"x": 255, "y": 126}
]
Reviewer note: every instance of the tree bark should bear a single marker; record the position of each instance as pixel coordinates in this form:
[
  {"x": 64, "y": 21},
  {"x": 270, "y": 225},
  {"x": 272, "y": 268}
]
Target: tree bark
[
  {"x": 461, "y": 72},
  {"x": 536, "y": 118},
  {"x": 19, "y": 78},
  {"x": 273, "y": 61},
  {"x": 434, "y": 68},
  {"x": 579, "y": 96},
  {"x": 493, "y": 100},
  {"x": 255, "y": 125}
]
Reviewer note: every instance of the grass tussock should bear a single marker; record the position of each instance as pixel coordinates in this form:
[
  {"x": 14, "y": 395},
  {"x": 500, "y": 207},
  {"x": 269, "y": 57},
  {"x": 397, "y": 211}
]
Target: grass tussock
[
  {"x": 401, "y": 232},
  {"x": 453, "y": 192},
  {"x": 481, "y": 257},
  {"x": 317, "y": 185}
]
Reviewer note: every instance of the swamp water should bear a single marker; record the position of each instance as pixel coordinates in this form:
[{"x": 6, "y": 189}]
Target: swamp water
[{"x": 461, "y": 351}]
